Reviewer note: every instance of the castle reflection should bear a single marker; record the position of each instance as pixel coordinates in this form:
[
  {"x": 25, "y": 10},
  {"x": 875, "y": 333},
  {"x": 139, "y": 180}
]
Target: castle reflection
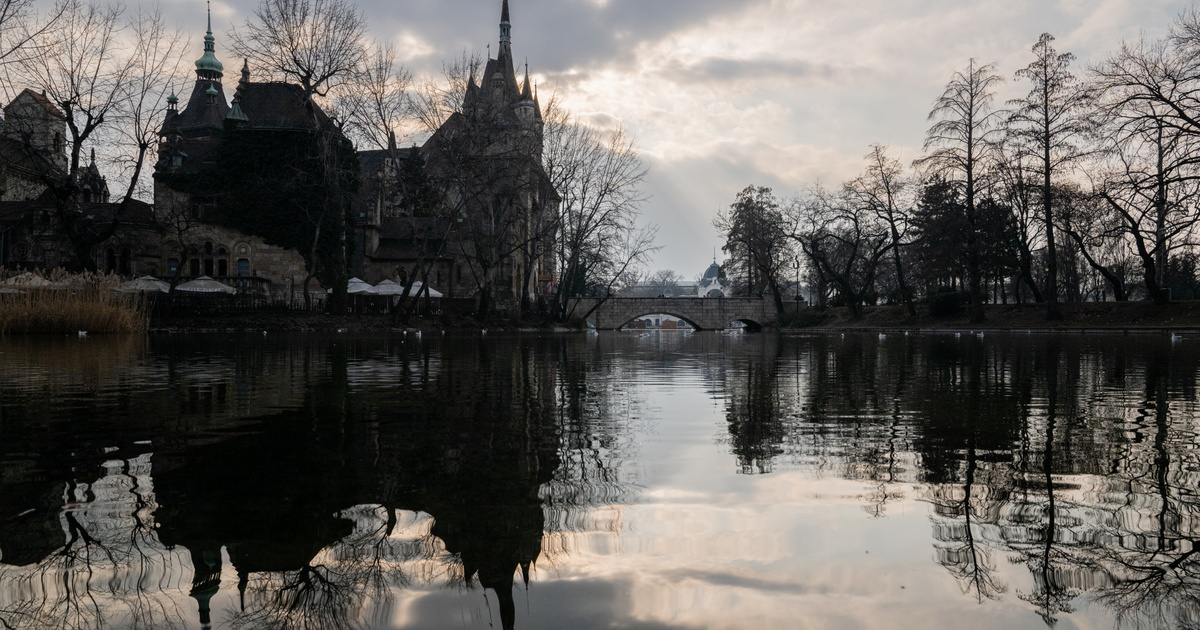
[{"x": 248, "y": 482}]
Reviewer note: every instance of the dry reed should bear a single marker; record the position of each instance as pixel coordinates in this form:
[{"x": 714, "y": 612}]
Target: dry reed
[{"x": 71, "y": 302}]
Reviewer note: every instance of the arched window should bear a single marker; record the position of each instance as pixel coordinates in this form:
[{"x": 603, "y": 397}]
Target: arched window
[
  {"x": 243, "y": 268},
  {"x": 126, "y": 266},
  {"x": 403, "y": 277},
  {"x": 110, "y": 260},
  {"x": 208, "y": 248}
]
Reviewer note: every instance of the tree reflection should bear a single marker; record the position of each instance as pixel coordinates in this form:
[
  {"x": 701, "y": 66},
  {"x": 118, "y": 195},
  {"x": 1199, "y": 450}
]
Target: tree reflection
[
  {"x": 1032, "y": 449},
  {"x": 1150, "y": 573}
]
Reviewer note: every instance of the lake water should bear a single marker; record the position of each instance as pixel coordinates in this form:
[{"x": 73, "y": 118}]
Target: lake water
[{"x": 653, "y": 481}]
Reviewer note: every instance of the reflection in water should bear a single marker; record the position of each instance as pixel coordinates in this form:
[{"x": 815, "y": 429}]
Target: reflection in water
[
  {"x": 247, "y": 482},
  {"x": 1073, "y": 457}
]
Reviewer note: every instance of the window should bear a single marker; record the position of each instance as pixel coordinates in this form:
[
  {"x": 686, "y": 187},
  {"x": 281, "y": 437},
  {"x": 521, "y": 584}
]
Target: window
[
  {"x": 243, "y": 268},
  {"x": 208, "y": 249},
  {"x": 194, "y": 265},
  {"x": 172, "y": 267},
  {"x": 208, "y": 266},
  {"x": 126, "y": 265},
  {"x": 222, "y": 267},
  {"x": 110, "y": 260}
]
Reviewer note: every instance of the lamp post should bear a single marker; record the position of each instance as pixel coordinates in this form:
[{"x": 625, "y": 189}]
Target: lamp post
[{"x": 796, "y": 287}]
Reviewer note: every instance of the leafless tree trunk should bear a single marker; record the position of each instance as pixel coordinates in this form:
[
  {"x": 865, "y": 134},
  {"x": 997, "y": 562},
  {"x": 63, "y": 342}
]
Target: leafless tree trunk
[
  {"x": 1050, "y": 120},
  {"x": 957, "y": 146},
  {"x": 883, "y": 189}
]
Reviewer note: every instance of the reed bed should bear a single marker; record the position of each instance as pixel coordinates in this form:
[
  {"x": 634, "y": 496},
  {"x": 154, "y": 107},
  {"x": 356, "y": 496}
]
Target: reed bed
[{"x": 68, "y": 303}]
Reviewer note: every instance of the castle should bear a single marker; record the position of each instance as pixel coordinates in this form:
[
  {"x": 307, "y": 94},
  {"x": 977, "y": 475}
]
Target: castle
[{"x": 489, "y": 227}]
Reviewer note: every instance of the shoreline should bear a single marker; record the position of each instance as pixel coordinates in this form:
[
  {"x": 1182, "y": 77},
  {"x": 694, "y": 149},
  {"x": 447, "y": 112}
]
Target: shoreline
[
  {"x": 1085, "y": 317},
  {"x": 1080, "y": 318}
]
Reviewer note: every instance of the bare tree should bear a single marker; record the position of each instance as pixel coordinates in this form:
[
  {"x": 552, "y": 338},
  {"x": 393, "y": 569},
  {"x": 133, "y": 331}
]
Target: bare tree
[
  {"x": 1050, "y": 120},
  {"x": 598, "y": 179},
  {"x": 434, "y": 101},
  {"x": 844, "y": 241},
  {"x": 375, "y": 105},
  {"x": 316, "y": 43},
  {"x": 957, "y": 147},
  {"x": 884, "y": 189},
  {"x": 1014, "y": 188},
  {"x": 22, "y": 28},
  {"x": 663, "y": 282},
  {"x": 108, "y": 71},
  {"x": 1098, "y": 234},
  {"x": 1150, "y": 165}
]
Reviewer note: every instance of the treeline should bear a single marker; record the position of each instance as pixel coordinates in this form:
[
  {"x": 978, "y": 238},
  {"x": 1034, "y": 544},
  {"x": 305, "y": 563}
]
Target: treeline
[{"x": 1084, "y": 189}]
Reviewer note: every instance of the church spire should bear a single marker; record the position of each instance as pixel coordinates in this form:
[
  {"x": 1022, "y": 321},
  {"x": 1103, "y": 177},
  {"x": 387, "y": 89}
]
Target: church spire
[{"x": 505, "y": 30}]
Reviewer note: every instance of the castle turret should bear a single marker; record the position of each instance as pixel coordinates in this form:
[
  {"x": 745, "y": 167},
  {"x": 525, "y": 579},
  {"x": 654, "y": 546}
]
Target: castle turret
[
  {"x": 206, "y": 109},
  {"x": 207, "y": 66}
]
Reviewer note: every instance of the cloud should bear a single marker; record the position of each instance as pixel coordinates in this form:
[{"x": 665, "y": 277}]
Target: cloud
[{"x": 726, "y": 70}]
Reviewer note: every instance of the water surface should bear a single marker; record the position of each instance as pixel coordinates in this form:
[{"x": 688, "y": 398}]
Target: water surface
[{"x": 657, "y": 481}]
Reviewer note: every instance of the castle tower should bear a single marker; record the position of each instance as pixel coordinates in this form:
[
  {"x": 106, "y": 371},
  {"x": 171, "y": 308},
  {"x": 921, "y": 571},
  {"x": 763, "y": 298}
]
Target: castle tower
[{"x": 206, "y": 109}]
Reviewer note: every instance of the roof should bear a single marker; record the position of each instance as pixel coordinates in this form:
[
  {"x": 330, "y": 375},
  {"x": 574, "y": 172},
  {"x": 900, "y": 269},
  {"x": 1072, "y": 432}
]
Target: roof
[
  {"x": 40, "y": 99},
  {"x": 137, "y": 212},
  {"x": 203, "y": 114},
  {"x": 280, "y": 105}
]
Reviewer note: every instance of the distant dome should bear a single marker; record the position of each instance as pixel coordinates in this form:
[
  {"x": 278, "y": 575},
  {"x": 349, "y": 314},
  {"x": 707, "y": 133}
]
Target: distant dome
[{"x": 713, "y": 272}]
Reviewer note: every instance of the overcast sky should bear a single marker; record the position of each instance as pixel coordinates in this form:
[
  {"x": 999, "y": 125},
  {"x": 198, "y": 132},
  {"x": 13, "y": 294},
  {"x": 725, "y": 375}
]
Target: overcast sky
[{"x": 721, "y": 94}]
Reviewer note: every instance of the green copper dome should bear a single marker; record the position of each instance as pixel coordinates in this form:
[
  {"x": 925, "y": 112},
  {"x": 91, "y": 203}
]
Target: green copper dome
[{"x": 209, "y": 60}]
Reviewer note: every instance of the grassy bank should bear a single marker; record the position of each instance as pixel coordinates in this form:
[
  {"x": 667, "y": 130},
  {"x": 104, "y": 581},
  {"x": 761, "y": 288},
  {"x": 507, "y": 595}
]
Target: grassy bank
[
  {"x": 68, "y": 303},
  {"x": 1115, "y": 316}
]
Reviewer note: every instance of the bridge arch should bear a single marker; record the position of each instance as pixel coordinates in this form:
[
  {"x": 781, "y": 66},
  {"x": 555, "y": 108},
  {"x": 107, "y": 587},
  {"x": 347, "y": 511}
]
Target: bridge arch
[
  {"x": 700, "y": 313},
  {"x": 675, "y": 315}
]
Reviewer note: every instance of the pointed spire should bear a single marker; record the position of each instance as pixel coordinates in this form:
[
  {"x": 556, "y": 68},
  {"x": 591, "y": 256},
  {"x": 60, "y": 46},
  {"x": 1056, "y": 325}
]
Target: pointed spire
[
  {"x": 207, "y": 66},
  {"x": 93, "y": 156},
  {"x": 235, "y": 111},
  {"x": 526, "y": 91},
  {"x": 505, "y": 27}
]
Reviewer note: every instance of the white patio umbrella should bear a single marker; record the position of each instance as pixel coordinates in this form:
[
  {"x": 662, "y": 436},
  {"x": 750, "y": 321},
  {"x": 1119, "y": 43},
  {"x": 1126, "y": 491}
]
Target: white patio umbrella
[
  {"x": 388, "y": 287},
  {"x": 27, "y": 280},
  {"x": 205, "y": 284},
  {"x": 356, "y": 285},
  {"x": 145, "y": 284},
  {"x": 415, "y": 289}
]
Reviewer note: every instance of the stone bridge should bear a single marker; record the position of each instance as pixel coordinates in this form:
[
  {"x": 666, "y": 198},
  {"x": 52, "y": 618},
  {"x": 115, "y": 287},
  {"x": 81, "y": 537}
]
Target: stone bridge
[{"x": 701, "y": 313}]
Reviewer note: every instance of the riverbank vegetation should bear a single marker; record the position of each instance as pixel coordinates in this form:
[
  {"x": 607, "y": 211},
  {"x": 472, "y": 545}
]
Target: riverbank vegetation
[
  {"x": 1083, "y": 190},
  {"x": 64, "y": 303}
]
